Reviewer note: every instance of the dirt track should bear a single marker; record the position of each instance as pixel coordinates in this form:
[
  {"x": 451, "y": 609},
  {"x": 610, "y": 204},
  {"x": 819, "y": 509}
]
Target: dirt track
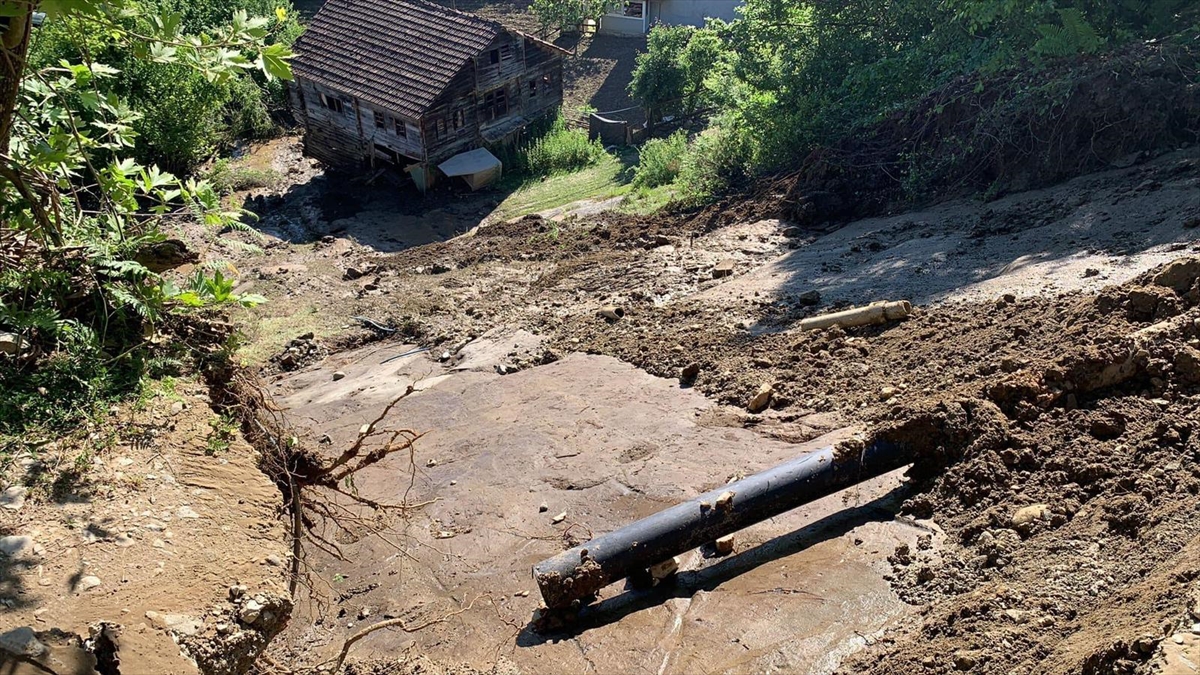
[{"x": 1017, "y": 300}]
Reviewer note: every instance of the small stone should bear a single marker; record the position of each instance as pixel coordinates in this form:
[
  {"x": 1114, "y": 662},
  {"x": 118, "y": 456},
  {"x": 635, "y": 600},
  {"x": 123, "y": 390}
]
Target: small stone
[
  {"x": 521, "y": 594},
  {"x": 224, "y": 629},
  {"x": 431, "y": 463},
  {"x": 324, "y": 439},
  {"x": 338, "y": 375},
  {"x": 689, "y": 373},
  {"x": 250, "y": 611},
  {"x": 124, "y": 540},
  {"x": 761, "y": 399},
  {"x": 725, "y": 500},
  {"x": 444, "y": 534},
  {"x": 186, "y": 511},
  {"x": 363, "y": 613},
  {"x": 724, "y": 545},
  {"x": 887, "y": 393},
  {"x": 12, "y": 545},
  {"x": 10, "y": 343},
  {"x": 1091, "y": 272},
  {"x": 809, "y": 298},
  {"x": 445, "y": 356},
  {"x": 453, "y": 483},
  {"x": 724, "y": 268},
  {"x": 965, "y": 659},
  {"x": 1026, "y": 516},
  {"x": 543, "y": 507},
  {"x": 1177, "y": 639},
  {"x": 86, "y": 583},
  {"x": 559, "y": 518},
  {"x": 236, "y": 591},
  {"x": 664, "y": 569},
  {"x": 274, "y": 560},
  {"x": 21, "y": 642},
  {"x": 13, "y": 497},
  {"x": 177, "y": 407}
]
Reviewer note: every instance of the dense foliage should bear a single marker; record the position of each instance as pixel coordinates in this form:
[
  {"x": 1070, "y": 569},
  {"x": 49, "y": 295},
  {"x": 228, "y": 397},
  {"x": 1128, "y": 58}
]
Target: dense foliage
[
  {"x": 570, "y": 15},
  {"x": 185, "y": 116},
  {"x": 791, "y": 75},
  {"x": 552, "y": 148},
  {"x": 83, "y": 301}
]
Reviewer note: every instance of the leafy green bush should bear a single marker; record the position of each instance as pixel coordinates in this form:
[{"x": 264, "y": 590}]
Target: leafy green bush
[
  {"x": 717, "y": 160},
  {"x": 803, "y": 74},
  {"x": 553, "y": 149},
  {"x": 659, "y": 160}
]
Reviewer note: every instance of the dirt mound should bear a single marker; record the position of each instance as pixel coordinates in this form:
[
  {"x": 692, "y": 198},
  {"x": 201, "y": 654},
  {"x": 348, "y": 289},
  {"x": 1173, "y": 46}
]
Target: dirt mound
[
  {"x": 1003, "y": 133},
  {"x": 1073, "y": 525}
]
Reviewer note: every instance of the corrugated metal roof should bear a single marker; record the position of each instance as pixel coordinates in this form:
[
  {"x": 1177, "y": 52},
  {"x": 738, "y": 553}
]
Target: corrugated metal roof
[{"x": 396, "y": 54}]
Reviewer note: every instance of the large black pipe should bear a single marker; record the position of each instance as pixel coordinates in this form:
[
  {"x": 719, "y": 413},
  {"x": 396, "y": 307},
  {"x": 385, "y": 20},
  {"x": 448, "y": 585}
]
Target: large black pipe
[{"x": 578, "y": 573}]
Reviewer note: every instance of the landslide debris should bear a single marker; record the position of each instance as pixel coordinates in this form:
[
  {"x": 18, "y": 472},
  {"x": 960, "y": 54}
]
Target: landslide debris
[{"x": 1072, "y": 518}]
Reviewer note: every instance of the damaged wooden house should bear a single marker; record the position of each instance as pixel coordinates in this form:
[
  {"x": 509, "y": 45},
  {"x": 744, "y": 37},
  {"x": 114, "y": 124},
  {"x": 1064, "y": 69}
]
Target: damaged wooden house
[{"x": 420, "y": 86}]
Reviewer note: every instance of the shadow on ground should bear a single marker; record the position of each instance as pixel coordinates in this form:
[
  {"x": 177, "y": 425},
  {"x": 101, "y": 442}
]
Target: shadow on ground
[
  {"x": 709, "y": 578},
  {"x": 1083, "y": 234}
]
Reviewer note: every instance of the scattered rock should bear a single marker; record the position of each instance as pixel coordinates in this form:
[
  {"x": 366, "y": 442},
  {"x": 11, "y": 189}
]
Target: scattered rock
[
  {"x": 505, "y": 369},
  {"x": 761, "y": 399},
  {"x": 338, "y": 375},
  {"x": 186, "y": 511},
  {"x": 1027, "y": 516},
  {"x": 725, "y": 500},
  {"x": 543, "y": 507},
  {"x": 1091, "y": 272},
  {"x": 1179, "y": 275},
  {"x": 250, "y": 611},
  {"x": 177, "y": 407},
  {"x": 274, "y": 560},
  {"x": 86, "y": 583},
  {"x": 724, "y": 268},
  {"x": 22, "y": 642},
  {"x": 559, "y": 518},
  {"x": 689, "y": 373},
  {"x": 724, "y": 545},
  {"x": 809, "y": 298},
  {"x": 13, "y": 545},
  {"x": 352, "y": 273},
  {"x": 10, "y": 344},
  {"x": 965, "y": 659},
  {"x": 13, "y": 497},
  {"x": 887, "y": 393},
  {"x": 665, "y": 569},
  {"x": 177, "y": 623}
]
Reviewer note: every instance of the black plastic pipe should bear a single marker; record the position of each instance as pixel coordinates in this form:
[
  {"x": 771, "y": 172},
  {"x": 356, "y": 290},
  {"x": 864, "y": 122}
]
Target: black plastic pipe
[{"x": 579, "y": 573}]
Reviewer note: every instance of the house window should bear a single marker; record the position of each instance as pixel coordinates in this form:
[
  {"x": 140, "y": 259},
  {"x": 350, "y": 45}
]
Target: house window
[
  {"x": 635, "y": 8},
  {"x": 399, "y": 127},
  {"x": 494, "y": 56},
  {"x": 495, "y": 104},
  {"x": 440, "y": 128},
  {"x": 333, "y": 103},
  {"x": 380, "y": 120},
  {"x": 533, "y": 89},
  {"x": 460, "y": 118}
]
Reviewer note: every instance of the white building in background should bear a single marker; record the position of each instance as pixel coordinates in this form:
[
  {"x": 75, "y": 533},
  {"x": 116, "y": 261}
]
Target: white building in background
[{"x": 639, "y": 15}]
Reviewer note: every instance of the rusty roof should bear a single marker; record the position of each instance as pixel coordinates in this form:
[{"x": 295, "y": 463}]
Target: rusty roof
[{"x": 396, "y": 54}]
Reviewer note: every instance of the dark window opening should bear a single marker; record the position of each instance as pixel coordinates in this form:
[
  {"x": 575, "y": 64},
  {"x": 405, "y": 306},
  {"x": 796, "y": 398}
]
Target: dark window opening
[
  {"x": 460, "y": 118},
  {"x": 334, "y": 104},
  {"x": 494, "y": 56},
  {"x": 401, "y": 129},
  {"x": 495, "y": 104},
  {"x": 387, "y": 154},
  {"x": 635, "y": 8},
  {"x": 441, "y": 128},
  {"x": 380, "y": 120},
  {"x": 533, "y": 89}
]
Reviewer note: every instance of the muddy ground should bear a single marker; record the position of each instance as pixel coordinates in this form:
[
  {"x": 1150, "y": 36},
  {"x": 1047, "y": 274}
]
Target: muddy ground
[{"x": 1060, "y": 542}]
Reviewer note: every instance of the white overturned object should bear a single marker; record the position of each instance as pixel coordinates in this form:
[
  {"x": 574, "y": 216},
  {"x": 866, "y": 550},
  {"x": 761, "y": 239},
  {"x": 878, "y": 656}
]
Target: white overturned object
[
  {"x": 478, "y": 167},
  {"x": 874, "y": 313}
]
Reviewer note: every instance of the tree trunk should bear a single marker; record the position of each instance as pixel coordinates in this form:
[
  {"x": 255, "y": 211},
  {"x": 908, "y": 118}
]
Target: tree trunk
[{"x": 14, "y": 45}]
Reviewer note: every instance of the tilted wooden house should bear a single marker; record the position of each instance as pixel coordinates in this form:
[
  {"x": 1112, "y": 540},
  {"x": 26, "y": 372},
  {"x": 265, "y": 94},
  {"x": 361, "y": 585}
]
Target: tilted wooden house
[{"x": 413, "y": 83}]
